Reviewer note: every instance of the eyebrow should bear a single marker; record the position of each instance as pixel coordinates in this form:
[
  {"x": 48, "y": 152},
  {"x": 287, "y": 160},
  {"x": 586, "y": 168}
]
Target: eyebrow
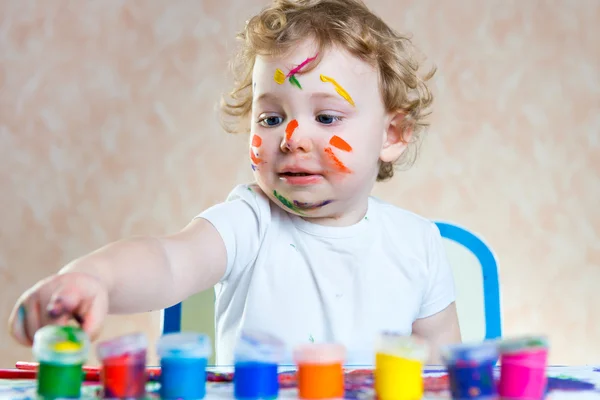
[
  {"x": 327, "y": 96},
  {"x": 267, "y": 97}
]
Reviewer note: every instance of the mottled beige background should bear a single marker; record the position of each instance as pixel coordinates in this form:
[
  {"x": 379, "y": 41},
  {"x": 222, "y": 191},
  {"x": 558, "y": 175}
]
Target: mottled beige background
[{"x": 107, "y": 129}]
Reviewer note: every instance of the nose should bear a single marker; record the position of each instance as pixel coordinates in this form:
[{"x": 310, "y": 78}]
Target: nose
[{"x": 295, "y": 139}]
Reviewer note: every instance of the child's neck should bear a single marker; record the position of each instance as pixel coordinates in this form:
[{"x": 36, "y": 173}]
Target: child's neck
[{"x": 348, "y": 217}]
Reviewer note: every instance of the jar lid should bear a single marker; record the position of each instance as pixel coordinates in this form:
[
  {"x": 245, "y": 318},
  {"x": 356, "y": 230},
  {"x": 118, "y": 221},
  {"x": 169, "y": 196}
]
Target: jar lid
[
  {"x": 524, "y": 343},
  {"x": 60, "y": 344},
  {"x": 399, "y": 345},
  {"x": 470, "y": 352},
  {"x": 259, "y": 347},
  {"x": 184, "y": 345},
  {"x": 126, "y": 344},
  {"x": 320, "y": 353}
]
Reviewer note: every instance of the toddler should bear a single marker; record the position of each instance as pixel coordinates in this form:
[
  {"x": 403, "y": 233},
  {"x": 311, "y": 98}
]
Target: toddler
[{"x": 332, "y": 99}]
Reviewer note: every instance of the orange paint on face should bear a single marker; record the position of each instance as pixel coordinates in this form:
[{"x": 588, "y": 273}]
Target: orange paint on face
[
  {"x": 340, "y": 143},
  {"x": 255, "y": 160},
  {"x": 336, "y": 161},
  {"x": 256, "y": 141},
  {"x": 290, "y": 128}
]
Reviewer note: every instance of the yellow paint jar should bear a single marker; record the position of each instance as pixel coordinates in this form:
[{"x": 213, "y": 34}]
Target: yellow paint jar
[{"x": 399, "y": 366}]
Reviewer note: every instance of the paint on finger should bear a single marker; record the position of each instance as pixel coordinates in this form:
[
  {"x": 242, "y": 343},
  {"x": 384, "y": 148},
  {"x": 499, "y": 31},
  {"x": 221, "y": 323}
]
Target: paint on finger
[
  {"x": 340, "y": 143},
  {"x": 21, "y": 326},
  {"x": 21, "y": 314},
  {"x": 339, "y": 165},
  {"x": 290, "y": 128},
  {"x": 55, "y": 308},
  {"x": 338, "y": 88}
]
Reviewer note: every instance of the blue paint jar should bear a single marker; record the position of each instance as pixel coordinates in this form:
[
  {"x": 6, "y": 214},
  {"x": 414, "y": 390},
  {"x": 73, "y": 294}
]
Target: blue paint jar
[
  {"x": 183, "y": 359},
  {"x": 257, "y": 357},
  {"x": 471, "y": 370}
]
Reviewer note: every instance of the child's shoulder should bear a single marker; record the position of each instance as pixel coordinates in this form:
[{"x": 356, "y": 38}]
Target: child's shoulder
[
  {"x": 400, "y": 214},
  {"x": 402, "y": 222}
]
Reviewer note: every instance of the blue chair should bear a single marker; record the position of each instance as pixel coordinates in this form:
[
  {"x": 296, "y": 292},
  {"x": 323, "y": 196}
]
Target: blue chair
[
  {"x": 489, "y": 269},
  {"x": 171, "y": 319}
]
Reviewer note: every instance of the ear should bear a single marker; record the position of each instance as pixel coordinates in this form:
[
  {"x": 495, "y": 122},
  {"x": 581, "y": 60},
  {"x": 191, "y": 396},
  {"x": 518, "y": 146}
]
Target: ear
[{"x": 396, "y": 137}]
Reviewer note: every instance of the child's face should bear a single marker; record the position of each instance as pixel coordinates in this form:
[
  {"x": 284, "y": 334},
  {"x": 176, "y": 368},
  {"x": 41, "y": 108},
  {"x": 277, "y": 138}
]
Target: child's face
[{"x": 315, "y": 151}]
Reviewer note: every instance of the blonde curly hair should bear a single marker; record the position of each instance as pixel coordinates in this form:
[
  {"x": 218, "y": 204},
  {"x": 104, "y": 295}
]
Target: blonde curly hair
[{"x": 346, "y": 23}]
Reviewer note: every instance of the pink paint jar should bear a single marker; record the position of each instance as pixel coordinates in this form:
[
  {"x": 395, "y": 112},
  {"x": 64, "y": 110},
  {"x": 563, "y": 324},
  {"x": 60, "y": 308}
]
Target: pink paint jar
[{"x": 523, "y": 363}]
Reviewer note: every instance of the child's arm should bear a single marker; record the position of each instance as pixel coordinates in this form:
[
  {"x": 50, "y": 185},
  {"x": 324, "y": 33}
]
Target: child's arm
[
  {"x": 439, "y": 330},
  {"x": 129, "y": 276},
  {"x": 152, "y": 273}
]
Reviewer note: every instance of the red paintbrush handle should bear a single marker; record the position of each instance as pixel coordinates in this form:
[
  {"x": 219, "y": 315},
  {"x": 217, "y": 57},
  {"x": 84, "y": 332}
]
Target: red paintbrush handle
[{"x": 16, "y": 374}]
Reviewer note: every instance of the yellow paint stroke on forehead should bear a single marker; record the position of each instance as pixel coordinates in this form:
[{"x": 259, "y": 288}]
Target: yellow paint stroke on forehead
[
  {"x": 338, "y": 88},
  {"x": 279, "y": 76}
]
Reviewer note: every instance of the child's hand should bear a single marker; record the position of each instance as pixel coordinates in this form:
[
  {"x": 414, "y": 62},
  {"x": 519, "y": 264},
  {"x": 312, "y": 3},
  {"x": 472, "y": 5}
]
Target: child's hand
[{"x": 57, "y": 300}]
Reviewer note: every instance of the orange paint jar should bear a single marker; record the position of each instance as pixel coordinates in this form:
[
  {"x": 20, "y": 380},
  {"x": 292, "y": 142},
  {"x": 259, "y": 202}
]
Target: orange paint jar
[{"x": 320, "y": 370}]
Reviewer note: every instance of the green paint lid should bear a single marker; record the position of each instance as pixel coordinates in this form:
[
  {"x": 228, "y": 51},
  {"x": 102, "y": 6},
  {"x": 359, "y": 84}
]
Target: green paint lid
[
  {"x": 60, "y": 345},
  {"x": 403, "y": 346},
  {"x": 184, "y": 345},
  {"x": 523, "y": 343},
  {"x": 257, "y": 346}
]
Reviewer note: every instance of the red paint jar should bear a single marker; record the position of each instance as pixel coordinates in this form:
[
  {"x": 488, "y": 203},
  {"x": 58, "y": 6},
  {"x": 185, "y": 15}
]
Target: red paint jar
[{"x": 123, "y": 372}]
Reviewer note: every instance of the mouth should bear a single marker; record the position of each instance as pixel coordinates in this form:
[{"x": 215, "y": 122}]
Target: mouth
[
  {"x": 297, "y": 174},
  {"x": 300, "y": 178}
]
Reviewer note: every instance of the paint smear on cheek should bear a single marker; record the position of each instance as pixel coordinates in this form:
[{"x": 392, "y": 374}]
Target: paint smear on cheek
[
  {"x": 286, "y": 202},
  {"x": 340, "y": 143},
  {"x": 255, "y": 160},
  {"x": 290, "y": 128},
  {"x": 256, "y": 141},
  {"x": 339, "y": 165}
]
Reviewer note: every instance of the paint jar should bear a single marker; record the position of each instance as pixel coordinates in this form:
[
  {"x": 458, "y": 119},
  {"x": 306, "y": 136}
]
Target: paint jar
[
  {"x": 183, "y": 360},
  {"x": 320, "y": 370},
  {"x": 257, "y": 356},
  {"x": 123, "y": 372},
  {"x": 471, "y": 370},
  {"x": 60, "y": 352},
  {"x": 523, "y": 363},
  {"x": 399, "y": 363}
]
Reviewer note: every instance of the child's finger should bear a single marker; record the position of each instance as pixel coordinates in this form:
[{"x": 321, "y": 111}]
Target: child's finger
[
  {"x": 63, "y": 301},
  {"x": 93, "y": 316},
  {"x": 30, "y": 312}
]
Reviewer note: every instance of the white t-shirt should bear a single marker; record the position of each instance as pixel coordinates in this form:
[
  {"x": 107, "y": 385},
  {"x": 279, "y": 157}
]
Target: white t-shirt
[{"x": 305, "y": 282}]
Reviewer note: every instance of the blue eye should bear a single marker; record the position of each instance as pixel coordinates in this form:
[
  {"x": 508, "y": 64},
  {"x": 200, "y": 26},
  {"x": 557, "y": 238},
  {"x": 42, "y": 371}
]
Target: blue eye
[
  {"x": 327, "y": 119},
  {"x": 270, "y": 121}
]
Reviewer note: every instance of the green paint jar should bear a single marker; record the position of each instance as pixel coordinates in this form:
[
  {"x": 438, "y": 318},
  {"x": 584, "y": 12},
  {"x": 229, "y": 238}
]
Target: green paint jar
[{"x": 60, "y": 352}]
